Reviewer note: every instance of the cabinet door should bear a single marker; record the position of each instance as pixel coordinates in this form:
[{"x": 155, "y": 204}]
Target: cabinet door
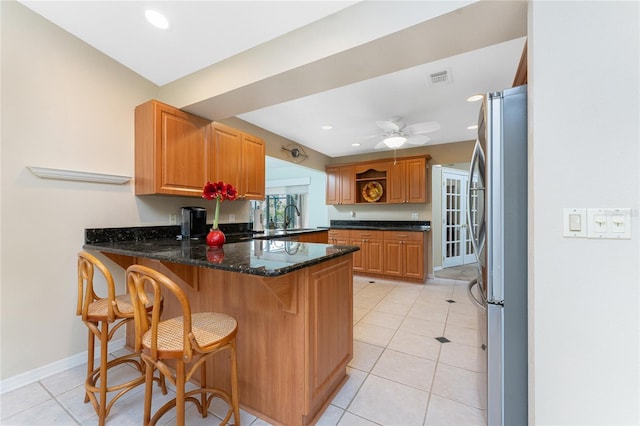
[
  {"x": 333, "y": 186},
  {"x": 413, "y": 259},
  {"x": 253, "y": 167},
  {"x": 347, "y": 185},
  {"x": 407, "y": 181},
  {"x": 375, "y": 256},
  {"x": 395, "y": 183},
  {"x": 183, "y": 147},
  {"x": 360, "y": 256},
  {"x": 393, "y": 258},
  {"x": 340, "y": 185},
  {"x": 416, "y": 181},
  {"x": 171, "y": 151},
  {"x": 227, "y": 144}
]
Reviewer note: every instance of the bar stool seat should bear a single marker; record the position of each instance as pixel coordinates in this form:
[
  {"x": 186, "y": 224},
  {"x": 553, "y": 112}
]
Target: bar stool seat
[{"x": 98, "y": 314}]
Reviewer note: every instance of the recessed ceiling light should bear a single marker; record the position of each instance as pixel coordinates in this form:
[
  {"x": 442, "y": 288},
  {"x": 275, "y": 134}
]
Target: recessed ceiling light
[
  {"x": 472, "y": 127},
  {"x": 326, "y": 127},
  {"x": 355, "y": 144},
  {"x": 157, "y": 19},
  {"x": 475, "y": 98}
]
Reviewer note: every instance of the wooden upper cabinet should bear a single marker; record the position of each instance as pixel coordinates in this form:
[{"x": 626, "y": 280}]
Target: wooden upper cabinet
[
  {"x": 171, "y": 150},
  {"x": 253, "y": 157},
  {"x": 402, "y": 181},
  {"x": 340, "y": 185},
  {"x": 227, "y": 148},
  {"x": 177, "y": 153},
  {"x": 239, "y": 160},
  {"x": 407, "y": 181}
]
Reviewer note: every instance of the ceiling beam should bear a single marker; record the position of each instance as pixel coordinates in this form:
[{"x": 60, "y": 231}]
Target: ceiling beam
[{"x": 473, "y": 27}]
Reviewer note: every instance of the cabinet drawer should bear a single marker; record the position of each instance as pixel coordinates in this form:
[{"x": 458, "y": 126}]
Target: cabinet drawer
[
  {"x": 338, "y": 236},
  {"x": 403, "y": 236},
  {"x": 362, "y": 234},
  {"x": 338, "y": 233}
]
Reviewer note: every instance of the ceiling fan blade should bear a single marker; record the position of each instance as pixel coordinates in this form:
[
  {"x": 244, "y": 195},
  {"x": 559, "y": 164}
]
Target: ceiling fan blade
[
  {"x": 388, "y": 126},
  {"x": 421, "y": 128},
  {"x": 372, "y": 136},
  {"x": 418, "y": 139}
]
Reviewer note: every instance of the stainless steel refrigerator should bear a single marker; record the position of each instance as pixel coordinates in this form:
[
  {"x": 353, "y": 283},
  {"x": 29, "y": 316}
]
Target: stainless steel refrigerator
[{"x": 497, "y": 220}]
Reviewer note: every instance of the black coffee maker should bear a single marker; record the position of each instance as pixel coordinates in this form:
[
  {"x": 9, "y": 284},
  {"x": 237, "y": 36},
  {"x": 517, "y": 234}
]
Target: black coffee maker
[{"x": 194, "y": 222}]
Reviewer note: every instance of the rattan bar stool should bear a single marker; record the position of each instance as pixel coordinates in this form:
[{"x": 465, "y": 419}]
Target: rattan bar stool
[
  {"x": 98, "y": 313},
  {"x": 189, "y": 340}
]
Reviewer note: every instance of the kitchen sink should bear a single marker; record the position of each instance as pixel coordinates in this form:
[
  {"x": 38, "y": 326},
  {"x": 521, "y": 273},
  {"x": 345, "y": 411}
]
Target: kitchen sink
[{"x": 269, "y": 233}]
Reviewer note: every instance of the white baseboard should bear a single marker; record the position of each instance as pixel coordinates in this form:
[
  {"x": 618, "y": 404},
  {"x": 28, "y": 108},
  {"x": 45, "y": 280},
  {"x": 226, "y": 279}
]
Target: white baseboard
[
  {"x": 32, "y": 376},
  {"x": 437, "y": 268}
]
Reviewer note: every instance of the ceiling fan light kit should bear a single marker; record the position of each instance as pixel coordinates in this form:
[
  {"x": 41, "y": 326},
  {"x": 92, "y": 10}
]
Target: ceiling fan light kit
[{"x": 394, "y": 141}]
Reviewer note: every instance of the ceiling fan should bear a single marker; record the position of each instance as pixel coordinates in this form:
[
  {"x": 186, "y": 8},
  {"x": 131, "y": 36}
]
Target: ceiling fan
[{"x": 397, "y": 133}]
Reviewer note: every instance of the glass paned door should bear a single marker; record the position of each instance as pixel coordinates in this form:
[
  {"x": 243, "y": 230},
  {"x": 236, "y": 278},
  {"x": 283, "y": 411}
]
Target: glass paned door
[{"x": 456, "y": 245}]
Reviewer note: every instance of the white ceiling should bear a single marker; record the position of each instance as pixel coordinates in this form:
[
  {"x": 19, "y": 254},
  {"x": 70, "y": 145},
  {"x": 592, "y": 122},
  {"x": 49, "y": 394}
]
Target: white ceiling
[{"x": 203, "y": 33}]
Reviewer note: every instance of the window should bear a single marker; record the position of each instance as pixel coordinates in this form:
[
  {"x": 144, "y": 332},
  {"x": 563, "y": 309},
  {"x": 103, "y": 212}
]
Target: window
[{"x": 273, "y": 211}]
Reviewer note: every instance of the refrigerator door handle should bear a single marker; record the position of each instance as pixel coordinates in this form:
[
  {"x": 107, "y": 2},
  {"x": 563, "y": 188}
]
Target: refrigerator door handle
[
  {"x": 477, "y": 237},
  {"x": 481, "y": 304}
]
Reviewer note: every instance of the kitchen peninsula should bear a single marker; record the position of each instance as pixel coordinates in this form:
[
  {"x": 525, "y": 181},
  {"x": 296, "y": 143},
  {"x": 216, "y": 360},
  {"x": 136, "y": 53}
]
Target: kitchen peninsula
[{"x": 293, "y": 302}]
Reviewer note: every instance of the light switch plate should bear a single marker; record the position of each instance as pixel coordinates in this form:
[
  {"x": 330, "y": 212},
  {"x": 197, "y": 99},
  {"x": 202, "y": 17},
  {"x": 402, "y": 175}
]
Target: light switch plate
[{"x": 575, "y": 222}]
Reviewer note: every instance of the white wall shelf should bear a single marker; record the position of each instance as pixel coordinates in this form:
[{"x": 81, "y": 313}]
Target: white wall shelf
[{"x": 60, "y": 174}]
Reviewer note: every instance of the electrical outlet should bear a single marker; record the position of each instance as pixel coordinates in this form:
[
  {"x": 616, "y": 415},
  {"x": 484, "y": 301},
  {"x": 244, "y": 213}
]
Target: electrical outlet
[
  {"x": 353, "y": 214},
  {"x": 414, "y": 216},
  {"x": 173, "y": 219}
]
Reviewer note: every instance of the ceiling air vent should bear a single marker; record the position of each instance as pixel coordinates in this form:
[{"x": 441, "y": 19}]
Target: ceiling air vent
[{"x": 440, "y": 77}]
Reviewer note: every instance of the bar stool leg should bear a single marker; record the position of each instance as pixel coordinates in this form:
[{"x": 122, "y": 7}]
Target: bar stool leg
[
  {"x": 148, "y": 390},
  {"x": 234, "y": 384},
  {"x": 104, "y": 354},
  {"x": 90, "y": 346},
  {"x": 203, "y": 385},
  {"x": 180, "y": 390}
]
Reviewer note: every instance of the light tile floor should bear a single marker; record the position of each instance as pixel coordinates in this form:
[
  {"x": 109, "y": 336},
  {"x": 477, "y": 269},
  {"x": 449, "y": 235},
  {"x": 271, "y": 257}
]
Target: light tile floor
[{"x": 400, "y": 374}]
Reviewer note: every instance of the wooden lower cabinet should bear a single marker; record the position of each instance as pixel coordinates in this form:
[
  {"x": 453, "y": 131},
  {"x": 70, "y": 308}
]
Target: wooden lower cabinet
[
  {"x": 314, "y": 237},
  {"x": 404, "y": 254},
  {"x": 339, "y": 237},
  {"x": 386, "y": 253},
  {"x": 370, "y": 256},
  {"x": 295, "y": 333}
]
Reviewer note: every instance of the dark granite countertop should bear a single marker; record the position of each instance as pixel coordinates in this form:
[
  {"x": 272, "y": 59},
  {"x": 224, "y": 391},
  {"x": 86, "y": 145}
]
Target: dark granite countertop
[
  {"x": 382, "y": 225},
  {"x": 272, "y": 257}
]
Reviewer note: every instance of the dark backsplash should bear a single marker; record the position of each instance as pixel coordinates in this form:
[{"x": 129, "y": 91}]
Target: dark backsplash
[{"x": 139, "y": 233}]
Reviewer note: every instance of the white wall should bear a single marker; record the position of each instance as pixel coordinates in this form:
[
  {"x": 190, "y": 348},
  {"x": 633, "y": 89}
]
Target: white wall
[
  {"x": 64, "y": 105},
  {"x": 584, "y": 152}
]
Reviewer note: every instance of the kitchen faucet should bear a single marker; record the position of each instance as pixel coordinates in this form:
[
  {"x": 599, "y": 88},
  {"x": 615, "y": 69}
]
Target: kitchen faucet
[{"x": 288, "y": 220}]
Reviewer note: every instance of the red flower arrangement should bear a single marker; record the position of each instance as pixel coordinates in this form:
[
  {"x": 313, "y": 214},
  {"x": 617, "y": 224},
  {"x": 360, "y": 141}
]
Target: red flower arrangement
[{"x": 219, "y": 191}]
